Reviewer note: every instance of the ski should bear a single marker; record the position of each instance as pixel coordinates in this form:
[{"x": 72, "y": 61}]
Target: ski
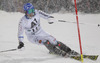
[
  {"x": 78, "y": 57},
  {"x": 91, "y": 57}
]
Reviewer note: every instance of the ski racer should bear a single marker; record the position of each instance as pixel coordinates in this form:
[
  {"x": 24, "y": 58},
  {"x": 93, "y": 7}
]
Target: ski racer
[{"x": 30, "y": 23}]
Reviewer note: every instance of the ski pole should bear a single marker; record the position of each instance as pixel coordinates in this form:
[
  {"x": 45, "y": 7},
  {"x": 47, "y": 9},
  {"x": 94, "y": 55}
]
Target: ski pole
[
  {"x": 64, "y": 21},
  {"x": 8, "y": 50}
]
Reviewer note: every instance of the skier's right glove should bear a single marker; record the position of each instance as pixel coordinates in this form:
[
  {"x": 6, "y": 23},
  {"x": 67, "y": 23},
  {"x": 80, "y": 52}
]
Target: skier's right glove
[{"x": 21, "y": 44}]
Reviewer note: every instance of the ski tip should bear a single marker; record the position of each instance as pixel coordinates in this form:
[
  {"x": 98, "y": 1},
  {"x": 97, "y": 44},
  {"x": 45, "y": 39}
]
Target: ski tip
[{"x": 93, "y": 57}]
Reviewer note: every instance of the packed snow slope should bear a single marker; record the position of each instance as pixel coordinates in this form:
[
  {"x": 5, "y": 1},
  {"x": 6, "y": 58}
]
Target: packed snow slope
[{"x": 65, "y": 32}]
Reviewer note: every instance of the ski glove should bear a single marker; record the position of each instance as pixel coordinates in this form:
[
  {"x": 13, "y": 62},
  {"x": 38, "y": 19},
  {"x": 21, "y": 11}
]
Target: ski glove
[
  {"x": 21, "y": 44},
  {"x": 51, "y": 20}
]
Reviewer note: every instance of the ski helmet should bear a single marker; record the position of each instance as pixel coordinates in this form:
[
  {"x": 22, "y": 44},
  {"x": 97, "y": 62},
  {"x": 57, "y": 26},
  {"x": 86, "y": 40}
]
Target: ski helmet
[{"x": 29, "y": 8}]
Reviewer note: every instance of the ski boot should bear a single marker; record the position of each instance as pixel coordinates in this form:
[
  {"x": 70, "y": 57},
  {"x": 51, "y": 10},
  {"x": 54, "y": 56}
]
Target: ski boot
[
  {"x": 65, "y": 48},
  {"x": 53, "y": 49}
]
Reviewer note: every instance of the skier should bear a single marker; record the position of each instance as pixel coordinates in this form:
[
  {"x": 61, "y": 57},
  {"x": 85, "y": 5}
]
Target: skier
[{"x": 35, "y": 34}]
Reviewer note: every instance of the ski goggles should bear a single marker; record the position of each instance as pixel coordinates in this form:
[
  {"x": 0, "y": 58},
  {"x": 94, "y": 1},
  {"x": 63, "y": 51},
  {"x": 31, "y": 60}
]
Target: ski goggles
[{"x": 30, "y": 11}]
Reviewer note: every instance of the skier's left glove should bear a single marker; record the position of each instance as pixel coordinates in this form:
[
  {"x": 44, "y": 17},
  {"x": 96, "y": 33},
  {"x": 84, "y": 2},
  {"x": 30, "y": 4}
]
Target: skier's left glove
[
  {"x": 21, "y": 44},
  {"x": 51, "y": 20}
]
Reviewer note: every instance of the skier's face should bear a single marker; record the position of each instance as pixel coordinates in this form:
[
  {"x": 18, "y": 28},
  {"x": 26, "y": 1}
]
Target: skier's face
[{"x": 30, "y": 13}]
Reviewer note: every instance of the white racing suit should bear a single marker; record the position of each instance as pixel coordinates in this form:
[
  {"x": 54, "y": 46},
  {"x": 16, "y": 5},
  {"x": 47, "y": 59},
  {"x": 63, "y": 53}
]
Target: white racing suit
[
  {"x": 36, "y": 34},
  {"x": 33, "y": 30}
]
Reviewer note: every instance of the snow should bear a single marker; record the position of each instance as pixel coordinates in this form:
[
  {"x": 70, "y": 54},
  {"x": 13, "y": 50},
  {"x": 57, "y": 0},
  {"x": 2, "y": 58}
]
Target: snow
[{"x": 63, "y": 31}]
